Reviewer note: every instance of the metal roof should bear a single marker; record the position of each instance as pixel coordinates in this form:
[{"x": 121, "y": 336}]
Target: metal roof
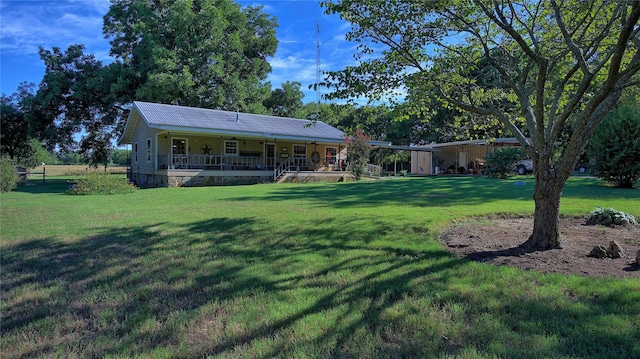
[
  {"x": 485, "y": 142},
  {"x": 200, "y": 120},
  {"x": 412, "y": 148}
]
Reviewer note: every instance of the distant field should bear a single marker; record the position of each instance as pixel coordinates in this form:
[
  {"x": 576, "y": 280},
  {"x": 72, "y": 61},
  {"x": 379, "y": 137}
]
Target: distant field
[{"x": 72, "y": 170}]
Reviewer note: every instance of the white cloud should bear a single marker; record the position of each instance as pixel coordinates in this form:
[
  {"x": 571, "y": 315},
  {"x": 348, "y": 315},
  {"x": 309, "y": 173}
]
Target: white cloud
[
  {"x": 91, "y": 23},
  {"x": 27, "y": 26}
]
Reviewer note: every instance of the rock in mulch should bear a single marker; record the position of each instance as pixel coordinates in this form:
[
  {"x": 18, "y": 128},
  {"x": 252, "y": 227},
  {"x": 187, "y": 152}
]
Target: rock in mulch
[
  {"x": 613, "y": 251},
  {"x": 598, "y": 252}
]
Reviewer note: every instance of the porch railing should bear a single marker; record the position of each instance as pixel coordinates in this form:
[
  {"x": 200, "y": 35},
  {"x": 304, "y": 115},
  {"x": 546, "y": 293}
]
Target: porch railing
[
  {"x": 213, "y": 162},
  {"x": 279, "y": 171},
  {"x": 223, "y": 162}
]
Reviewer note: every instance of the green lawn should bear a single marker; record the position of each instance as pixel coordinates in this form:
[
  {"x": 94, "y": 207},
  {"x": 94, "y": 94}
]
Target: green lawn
[{"x": 295, "y": 271}]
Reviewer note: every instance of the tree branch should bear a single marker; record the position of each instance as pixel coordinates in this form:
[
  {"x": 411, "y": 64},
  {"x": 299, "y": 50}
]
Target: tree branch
[
  {"x": 510, "y": 30},
  {"x": 487, "y": 54},
  {"x": 556, "y": 100},
  {"x": 628, "y": 29},
  {"x": 613, "y": 76},
  {"x": 488, "y": 111},
  {"x": 530, "y": 29},
  {"x": 567, "y": 38}
]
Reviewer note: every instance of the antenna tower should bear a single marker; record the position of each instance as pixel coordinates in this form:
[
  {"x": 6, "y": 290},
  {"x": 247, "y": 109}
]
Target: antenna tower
[{"x": 318, "y": 68}]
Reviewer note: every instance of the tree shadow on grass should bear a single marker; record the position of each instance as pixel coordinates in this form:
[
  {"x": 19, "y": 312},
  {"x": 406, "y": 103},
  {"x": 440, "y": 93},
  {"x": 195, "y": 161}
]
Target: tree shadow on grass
[
  {"x": 419, "y": 192},
  {"x": 110, "y": 289},
  {"x": 435, "y": 191},
  {"x": 185, "y": 292},
  {"x": 52, "y": 185}
]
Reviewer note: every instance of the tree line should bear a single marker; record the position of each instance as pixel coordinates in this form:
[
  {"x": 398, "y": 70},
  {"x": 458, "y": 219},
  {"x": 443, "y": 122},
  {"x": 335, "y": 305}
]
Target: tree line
[{"x": 204, "y": 53}]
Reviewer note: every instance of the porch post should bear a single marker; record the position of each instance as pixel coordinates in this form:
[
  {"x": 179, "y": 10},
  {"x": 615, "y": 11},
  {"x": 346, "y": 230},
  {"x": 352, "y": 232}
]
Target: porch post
[
  {"x": 275, "y": 158},
  {"x": 395, "y": 163},
  {"x": 315, "y": 149},
  {"x": 155, "y": 160},
  {"x": 431, "y": 168},
  {"x": 338, "y": 164}
]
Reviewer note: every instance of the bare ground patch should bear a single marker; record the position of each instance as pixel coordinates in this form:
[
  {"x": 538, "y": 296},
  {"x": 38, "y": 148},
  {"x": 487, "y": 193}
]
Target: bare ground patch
[{"x": 497, "y": 241}]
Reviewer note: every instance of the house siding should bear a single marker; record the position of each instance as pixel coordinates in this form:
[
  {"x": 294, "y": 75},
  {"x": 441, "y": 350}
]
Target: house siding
[{"x": 142, "y": 168}]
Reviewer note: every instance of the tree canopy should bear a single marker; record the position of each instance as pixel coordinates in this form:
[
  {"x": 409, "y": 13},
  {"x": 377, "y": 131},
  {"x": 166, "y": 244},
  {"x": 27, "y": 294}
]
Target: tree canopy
[
  {"x": 74, "y": 96},
  {"x": 203, "y": 53},
  {"x": 15, "y": 127},
  {"x": 285, "y": 101},
  {"x": 537, "y": 67},
  {"x": 615, "y": 148}
]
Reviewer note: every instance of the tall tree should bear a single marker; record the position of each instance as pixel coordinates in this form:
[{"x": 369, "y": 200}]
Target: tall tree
[
  {"x": 17, "y": 140},
  {"x": 329, "y": 113},
  {"x": 205, "y": 53},
  {"x": 285, "y": 101},
  {"x": 559, "y": 63},
  {"x": 74, "y": 97},
  {"x": 15, "y": 126}
]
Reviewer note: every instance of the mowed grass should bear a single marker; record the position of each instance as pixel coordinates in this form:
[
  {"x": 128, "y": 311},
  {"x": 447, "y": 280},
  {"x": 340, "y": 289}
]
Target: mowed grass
[{"x": 296, "y": 271}]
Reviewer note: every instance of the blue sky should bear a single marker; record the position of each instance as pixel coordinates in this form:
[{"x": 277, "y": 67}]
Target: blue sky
[{"x": 25, "y": 25}]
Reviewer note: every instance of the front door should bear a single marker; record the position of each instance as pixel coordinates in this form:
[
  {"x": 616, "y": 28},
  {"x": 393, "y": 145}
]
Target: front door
[
  {"x": 179, "y": 153},
  {"x": 270, "y": 154},
  {"x": 331, "y": 157}
]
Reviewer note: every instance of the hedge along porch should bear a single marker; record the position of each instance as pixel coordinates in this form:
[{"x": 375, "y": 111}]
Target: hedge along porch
[{"x": 185, "y": 146}]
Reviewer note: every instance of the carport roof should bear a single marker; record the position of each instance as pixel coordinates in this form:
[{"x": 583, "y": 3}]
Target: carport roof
[{"x": 486, "y": 142}]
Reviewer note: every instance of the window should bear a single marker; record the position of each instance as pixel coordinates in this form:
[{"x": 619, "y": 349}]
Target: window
[
  {"x": 331, "y": 155},
  {"x": 230, "y": 147},
  {"x": 148, "y": 150},
  {"x": 299, "y": 155},
  {"x": 135, "y": 152},
  {"x": 299, "y": 151}
]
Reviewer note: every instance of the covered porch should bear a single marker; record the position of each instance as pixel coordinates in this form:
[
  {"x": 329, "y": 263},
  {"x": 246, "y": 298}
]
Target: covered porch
[
  {"x": 187, "y": 159},
  {"x": 185, "y": 146}
]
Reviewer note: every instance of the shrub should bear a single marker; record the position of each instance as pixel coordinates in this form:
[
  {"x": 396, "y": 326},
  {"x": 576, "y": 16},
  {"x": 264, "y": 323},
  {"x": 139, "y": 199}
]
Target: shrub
[
  {"x": 500, "y": 162},
  {"x": 615, "y": 147},
  {"x": 8, "y": 175},
  {"x": 101, "y": 183},
  {"x": 358, "y": 153},
  {"x": 609, "y": 216}
]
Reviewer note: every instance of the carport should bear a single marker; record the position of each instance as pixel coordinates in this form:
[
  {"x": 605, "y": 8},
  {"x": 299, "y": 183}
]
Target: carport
[
  {"x": 413, "y": 149},
  {"x": 459, "y": 157}
]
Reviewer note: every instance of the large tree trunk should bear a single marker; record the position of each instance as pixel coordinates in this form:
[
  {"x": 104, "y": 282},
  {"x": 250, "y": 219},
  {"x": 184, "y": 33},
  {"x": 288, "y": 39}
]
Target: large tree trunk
[{"x": 546, "y": 221}]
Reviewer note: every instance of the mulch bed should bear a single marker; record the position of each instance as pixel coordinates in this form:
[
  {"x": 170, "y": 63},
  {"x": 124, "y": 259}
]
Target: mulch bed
[{"x": 498, "y": 241}]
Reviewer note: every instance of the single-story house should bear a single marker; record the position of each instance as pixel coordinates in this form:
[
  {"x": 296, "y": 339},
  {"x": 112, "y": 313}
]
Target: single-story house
[
  {"x": 175, "y": 146},
  {"x": 456, "y": 157}
]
